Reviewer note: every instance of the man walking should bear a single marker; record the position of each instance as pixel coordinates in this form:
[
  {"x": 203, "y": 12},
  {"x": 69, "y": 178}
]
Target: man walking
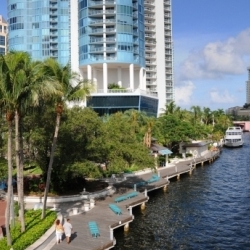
[{"x": 67, "y": 230}]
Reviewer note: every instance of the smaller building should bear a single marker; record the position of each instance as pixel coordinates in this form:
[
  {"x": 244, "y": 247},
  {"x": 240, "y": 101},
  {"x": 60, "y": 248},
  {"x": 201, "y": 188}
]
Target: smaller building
[
  {"x": 245, "y": 125},
  {"x": 158, "y": 150},
  {"x": 3, "y": 36},
  {"x": 195, "y": 148}
]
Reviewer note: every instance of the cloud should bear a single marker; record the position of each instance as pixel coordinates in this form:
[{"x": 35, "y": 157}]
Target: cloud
[
  {"x": 221, "y": 97},
  {"x": 183, "y": 93},
  {"x": 218, "y": 59}
]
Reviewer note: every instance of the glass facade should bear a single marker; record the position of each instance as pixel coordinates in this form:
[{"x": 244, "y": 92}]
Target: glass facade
[
  {"x": 111, "y": 31},
  {"x": 112, "y": 104},
  {"x": 40, "y": 27}
]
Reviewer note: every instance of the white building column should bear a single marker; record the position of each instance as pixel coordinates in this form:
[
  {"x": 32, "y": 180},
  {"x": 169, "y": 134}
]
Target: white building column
[
  {"x": 89, "y": 72},
  {"x": 144, "y": 80},
  {"x": 131, "y": 75},
  {"x": 95, "y": 77},
  {"x": 119, "y": 76},
  {"x": 141, "y": 78},
  {"x": 105, "y": 77}
]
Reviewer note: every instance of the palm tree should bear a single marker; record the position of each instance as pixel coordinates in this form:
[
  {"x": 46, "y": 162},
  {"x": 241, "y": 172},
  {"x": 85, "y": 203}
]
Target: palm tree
[
  {"x": 74, "y": 89},
  {"x": 171, "y": 108},
  {"x": 207, "y": 115},
  {"x": 197, "y": 114},
  {"x": 22, "y": 87}
]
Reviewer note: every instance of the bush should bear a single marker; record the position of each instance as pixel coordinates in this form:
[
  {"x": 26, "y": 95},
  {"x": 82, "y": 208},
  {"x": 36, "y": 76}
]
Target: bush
[{"x": 35, "y": 228}]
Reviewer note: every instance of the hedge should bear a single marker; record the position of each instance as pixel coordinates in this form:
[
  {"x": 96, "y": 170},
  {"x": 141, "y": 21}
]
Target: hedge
[{"x": 35, "y": 228}]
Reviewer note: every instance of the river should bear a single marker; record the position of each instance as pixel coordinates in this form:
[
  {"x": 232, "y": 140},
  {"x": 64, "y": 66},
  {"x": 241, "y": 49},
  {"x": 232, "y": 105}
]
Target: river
[{"x": 208, "y": 210}]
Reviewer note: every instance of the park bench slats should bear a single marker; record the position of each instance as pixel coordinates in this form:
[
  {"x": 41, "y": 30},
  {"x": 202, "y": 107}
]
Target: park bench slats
[
  {"x": 154, "y": 178},
  {"x": 115, "y": 209},
  {"x": 93, "y": 228},
  {"x": 120, "y": 198},
  {"x": 131, "y": 195}
]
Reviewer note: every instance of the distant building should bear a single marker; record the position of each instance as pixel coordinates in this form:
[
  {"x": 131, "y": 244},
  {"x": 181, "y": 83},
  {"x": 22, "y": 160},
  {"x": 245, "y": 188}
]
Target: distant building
[
  {"x": 238, "y": 111},
  {"x": 248, "y": 87},
  {"x": 3, "y": 36}
]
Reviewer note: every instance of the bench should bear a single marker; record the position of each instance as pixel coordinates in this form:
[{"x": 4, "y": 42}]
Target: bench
[
  {"x": 131, "y": 195},
  {"x": 120, "y": 198},
  {"x": 115, "y": 209},
  {"x": 93, "y": 228},
  {"x": 154, "y": 178}
]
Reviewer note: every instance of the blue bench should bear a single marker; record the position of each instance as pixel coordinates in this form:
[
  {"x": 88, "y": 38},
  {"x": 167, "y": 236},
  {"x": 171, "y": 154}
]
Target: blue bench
[
  {"x": 120, "y": 198},
  {"x": 131, "y": 195},
  {"x": 154, "y": 178},
  {"x": 93, "y": 228},
  {"x": 115, "y": 209}
]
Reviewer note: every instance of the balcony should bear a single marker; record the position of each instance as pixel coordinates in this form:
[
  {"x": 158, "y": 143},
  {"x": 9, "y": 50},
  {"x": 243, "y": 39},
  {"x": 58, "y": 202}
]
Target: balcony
[
  {"x": 151, "y": 76},
  {"x": 149, "y": 16},
  {"x": 150, "y": 42},
  {"x": 96, "y": 13},
  {"x": 149, "y": 35},
  {"x": 148, "y": 3},
  {"x": 112, "y": 49},
  {"x": 147, "y": 9},
  {"x": 98, "y": 22},
  {"x": 96, "y": 50},
  {"x": 149, "y": 22},
  {"x": 150, "y": 69},
  {"x": 110, "y": 40},
  {"x": 53, "y": 20},
  {"x": 95, "y": 31},
  {"x": 95, "y": 3},
  {"x": 96, "y": 40},
  {"x": 150, "y": 56},
  {"x": 110, "y": 30},
  {"x": 109, "y": 12}
]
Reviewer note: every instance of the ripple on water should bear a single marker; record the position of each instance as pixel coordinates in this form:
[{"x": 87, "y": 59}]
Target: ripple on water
[{"x": 208, "y": 210}]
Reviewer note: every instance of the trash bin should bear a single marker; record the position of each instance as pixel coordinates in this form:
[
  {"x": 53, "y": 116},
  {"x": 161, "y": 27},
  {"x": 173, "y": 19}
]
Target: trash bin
[{"x": 3, "y": 230}]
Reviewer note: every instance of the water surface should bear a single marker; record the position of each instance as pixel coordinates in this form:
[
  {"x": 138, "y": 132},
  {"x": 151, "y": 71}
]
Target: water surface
[{"x": 208, "y": 210}]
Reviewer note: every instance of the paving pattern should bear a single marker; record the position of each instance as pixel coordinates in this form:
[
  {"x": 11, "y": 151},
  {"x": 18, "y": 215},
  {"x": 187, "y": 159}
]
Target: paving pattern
[{"x": 2, "y": 214}]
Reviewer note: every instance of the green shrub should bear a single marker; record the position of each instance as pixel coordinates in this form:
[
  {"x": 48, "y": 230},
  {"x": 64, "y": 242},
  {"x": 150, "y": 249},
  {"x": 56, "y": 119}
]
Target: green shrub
[{"x": 35, "y": 228}]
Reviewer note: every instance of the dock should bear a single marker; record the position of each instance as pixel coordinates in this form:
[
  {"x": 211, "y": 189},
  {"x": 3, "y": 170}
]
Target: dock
[{"x": 108, "y": 219}]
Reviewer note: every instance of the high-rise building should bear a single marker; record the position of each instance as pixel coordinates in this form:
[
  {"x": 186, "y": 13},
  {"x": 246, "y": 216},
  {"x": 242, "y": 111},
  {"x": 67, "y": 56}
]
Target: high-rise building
[
  {"x": 121, "y": 43},
  {"x": 159, "y": 50},
  {"x": 40, "y": 27},
  {"x": 3, "y": 36},
  {"x": 248, "y": 87}
]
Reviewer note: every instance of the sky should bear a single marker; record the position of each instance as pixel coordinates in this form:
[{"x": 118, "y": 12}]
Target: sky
[{"x": 211, "y": 41}]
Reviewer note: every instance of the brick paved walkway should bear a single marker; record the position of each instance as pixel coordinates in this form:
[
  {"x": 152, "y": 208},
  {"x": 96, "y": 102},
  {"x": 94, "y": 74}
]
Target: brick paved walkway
[{"x": 2, "y": 214}]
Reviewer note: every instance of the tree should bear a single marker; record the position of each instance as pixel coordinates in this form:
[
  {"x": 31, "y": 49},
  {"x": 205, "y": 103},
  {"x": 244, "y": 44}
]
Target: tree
[
  {"x": 171, "y": 108},
  {"x": 73, "y": 89},
  {"x": 197, "y": 113},
  {"x": 23, "y": 87}
]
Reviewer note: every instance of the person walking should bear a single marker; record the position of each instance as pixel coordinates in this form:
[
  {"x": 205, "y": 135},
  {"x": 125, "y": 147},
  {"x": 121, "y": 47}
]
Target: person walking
[
  {"x": 68, "y": 230},
  {"x": 59, "y": 231}
]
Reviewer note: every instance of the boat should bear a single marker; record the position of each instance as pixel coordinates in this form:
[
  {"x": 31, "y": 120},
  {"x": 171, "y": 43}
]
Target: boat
[{"x": 233, "y": 137}]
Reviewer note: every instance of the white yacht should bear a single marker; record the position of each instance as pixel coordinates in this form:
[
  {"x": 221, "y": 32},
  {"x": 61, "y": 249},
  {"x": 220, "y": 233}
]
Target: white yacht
[{"x": 233, "y": 137}]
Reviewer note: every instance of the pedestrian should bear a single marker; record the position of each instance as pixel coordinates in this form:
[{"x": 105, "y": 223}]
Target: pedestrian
[
  {"x": 68, "y": 230},
  {"x": 59, "y": 231}
]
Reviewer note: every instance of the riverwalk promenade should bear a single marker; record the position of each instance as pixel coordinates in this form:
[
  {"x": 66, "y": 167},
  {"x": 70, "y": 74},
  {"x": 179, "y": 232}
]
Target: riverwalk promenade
[{"x": 107, "y": 219}]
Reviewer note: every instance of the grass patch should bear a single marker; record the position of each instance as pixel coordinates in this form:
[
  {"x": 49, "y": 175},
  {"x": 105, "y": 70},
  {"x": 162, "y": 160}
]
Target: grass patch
[{"x": 35, "y": 228}]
